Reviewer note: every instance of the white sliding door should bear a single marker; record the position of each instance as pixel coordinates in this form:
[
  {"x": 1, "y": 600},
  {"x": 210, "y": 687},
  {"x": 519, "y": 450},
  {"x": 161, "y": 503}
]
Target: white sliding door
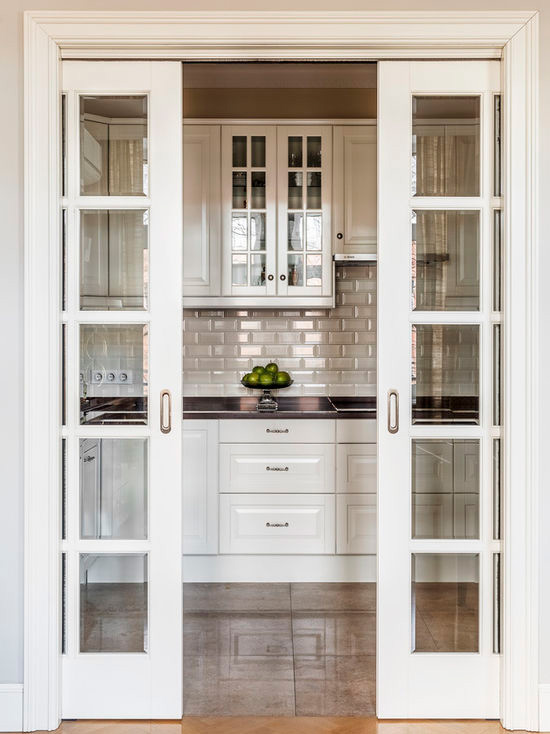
[
  {"x": 121, "y": 321},
  {"x": 439, "y": 389}
]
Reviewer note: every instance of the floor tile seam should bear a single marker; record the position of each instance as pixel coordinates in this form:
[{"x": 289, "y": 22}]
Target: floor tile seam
[
  {"x": 292, "y": 647},
  {"x": 237, "y": 611}
]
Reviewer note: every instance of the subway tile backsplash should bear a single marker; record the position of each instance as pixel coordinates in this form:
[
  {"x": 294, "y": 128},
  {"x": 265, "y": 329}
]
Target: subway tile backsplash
[{"x": 327, "y": 351}]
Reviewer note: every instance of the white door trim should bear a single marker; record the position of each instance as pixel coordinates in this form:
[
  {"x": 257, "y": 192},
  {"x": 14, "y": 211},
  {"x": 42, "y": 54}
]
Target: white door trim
[{"x": 256, "y": 35}]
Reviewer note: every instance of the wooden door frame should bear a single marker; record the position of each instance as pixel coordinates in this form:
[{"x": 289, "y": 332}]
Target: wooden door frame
[{"x": 360, "y": 36}]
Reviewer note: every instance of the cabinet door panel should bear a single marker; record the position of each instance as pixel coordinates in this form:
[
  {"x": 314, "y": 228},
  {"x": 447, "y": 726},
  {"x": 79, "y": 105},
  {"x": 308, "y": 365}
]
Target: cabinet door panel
[
  {"x": 200, "y": 487},
  {"x": 356, "y": 524},
  {"x": 356, "y": 468}
]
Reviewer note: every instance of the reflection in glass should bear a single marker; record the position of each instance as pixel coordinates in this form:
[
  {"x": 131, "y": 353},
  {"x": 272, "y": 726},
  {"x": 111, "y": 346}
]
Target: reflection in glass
[
  {"x": 295, "y": 185},
  {"x": 497, "y": 375},
  {"x": 497, "y": 146},
  {"x": 497, "y": 626},
  {"x": 113, "y": 146},
  {"x": 314, "y": 231},
  {"x": 497, "y": 259},
  {"x": 239, "y": 270},
  {"x": 295, "y": 270},
  {"x": 113, "y": 602},
  {"x": 257, "y": 231},
  {"x": 239, "y": 189},
  {"x": 63, "y": 145},
  {"x": 445, "y": 260},
  {"x": 313, "y": 270},
  {"x": 257, "y": 269},
  {"x": 295, "y": 152},
  {"x": 258, "y": 190},
  {"x": 239, "y": 232},
  {"x": 113, "y": 488},
  {"x": 314, "y": 151},
  {"x": 445, "y": 373},
  {"x": 296, "y": 231},
  {"x": 496, "y": 489},
  {"x": 445, "y": 146},
  {"x": 239, "y": 151},
  {"x": 114, "y": 259},
  {"x": 314, "y": 190},
  {"x": 258, "y": 151},
  {"x": 445, "y": 602},
  {"x": 445, "y": 488},
  {"x": 114, "y": 366}
]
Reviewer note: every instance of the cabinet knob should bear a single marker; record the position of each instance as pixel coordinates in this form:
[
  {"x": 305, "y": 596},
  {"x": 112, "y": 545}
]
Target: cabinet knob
[
  {"x": 270, "y": 276},
  {"x": 339, "y": 236},
  {"x": 283, "y": 277}
]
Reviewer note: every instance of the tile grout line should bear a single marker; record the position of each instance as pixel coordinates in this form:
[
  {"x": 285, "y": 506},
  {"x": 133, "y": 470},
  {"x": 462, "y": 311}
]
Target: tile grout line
[{"x": 292, "y": 644}]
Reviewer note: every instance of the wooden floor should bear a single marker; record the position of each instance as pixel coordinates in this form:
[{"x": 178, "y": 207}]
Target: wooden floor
[{"x": 281, "y": 725}]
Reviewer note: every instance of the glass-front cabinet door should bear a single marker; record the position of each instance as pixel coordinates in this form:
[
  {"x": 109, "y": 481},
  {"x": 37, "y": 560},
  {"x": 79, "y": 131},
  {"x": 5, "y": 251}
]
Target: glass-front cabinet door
[
  {"x": 439, "y": 378},
  {"x": 249, "y": 190},
  {"x": 121, "y": 437},
  {"x": 304, "y": 205}
]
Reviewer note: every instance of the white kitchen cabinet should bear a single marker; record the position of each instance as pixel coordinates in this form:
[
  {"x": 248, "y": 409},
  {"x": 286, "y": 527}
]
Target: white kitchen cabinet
[
  {"x": 355, "y": 186},
  {"x": 201, "y": 210},
  {"x": 432, "y": 515},
  {"x": 284, "y": 468},
  {"x": 356, "y": 468},
  {"x": 276, "y": 431},
  {"x": 356, "y": 430},
  {"x": 356, "y": 523},
  {"x": 277, "y": 523},
  {"x": 90, "y": 487},
  {"x": 200, "y": 487}
]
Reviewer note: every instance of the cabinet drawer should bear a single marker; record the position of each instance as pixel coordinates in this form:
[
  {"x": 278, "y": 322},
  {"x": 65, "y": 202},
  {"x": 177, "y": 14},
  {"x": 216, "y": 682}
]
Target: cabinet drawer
[
  {"x": 264, "y": 468},
  {"x": 276, "y": 524},
  {"x": 356, "y": 430},
  {"x": 258, "y": 430},
  {"x": 356, "y": 523},
  {"x": 356, "y": 467}
]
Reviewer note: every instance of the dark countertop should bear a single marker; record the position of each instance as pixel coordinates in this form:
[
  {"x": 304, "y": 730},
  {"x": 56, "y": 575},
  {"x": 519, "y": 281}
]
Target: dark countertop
[{"x": 289, "y": 407}]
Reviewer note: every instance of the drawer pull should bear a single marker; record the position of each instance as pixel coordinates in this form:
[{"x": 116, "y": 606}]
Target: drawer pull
[
  {"x": 276, "y": 468},
  {"x": 276, "y": 525},
  {"x": 276, "y": 430}
]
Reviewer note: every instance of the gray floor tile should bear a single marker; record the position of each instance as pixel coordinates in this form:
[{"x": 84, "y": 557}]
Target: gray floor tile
[
  {"x": 236, "y": 597},
  {"x": 345, "y": 597},
  {"x": 237, "y": 633},
  {"x": 334, "y": 633}
]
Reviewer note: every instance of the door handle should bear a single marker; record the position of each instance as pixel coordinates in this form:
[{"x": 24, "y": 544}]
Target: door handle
[
  {"x": 165, "y": 411},
  {"x": 393, "y": 401}
]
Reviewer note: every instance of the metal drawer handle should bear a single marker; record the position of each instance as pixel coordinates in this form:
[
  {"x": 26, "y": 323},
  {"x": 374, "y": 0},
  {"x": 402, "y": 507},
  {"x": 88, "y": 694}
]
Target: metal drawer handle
[
  {"x": 276, "y": 525},
  {"x": 165, "y": 411},
  {"x": 276, "y": 468},
  {"x": 393, "y": 400},
  {"x": 276, "y": 430},
  {"x": 88, "y": 458}
]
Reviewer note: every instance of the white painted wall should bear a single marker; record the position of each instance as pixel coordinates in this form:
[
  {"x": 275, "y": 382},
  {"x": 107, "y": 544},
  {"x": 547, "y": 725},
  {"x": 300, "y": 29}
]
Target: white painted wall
[{"x": 11, "y": 274}]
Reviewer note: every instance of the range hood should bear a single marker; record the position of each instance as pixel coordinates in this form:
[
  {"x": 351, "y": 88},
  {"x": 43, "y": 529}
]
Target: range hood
[{"x": 349, "y": 259}]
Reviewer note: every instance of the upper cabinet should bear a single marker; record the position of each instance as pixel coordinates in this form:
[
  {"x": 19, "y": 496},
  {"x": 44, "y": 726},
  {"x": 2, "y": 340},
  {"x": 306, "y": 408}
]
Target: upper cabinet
[{"x": 355, "y": 200}]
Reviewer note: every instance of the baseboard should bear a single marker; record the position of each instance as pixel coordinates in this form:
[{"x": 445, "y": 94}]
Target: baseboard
[
  {"x": 11, "y": 707},
  {"x": 282, "y": 569},
  {"x": 544, "y": 706}
]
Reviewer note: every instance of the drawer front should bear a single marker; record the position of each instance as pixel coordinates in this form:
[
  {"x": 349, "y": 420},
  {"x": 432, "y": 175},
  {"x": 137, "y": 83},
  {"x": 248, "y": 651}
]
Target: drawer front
[
  {"x": 356, "y": 430},
  {"x": 259, "y": 430},
  {"x": 263, "y": 468},
  {"x": 356, "y": 524},
  {"x": 277, "y": 524},
  {"x": 356, "y": 467}
]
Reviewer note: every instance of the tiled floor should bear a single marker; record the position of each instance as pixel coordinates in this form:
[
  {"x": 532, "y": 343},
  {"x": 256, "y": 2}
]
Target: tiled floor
[{"x": 279, "y": 649}]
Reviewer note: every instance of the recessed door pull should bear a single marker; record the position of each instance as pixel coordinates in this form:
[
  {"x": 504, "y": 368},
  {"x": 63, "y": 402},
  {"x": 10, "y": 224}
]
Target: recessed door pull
[
  {"x": 276, "y": 468},
  {"x": 276, "y": 525},
  {"x": 165, "y": 411},
  {"x": 393, "y": 411}
]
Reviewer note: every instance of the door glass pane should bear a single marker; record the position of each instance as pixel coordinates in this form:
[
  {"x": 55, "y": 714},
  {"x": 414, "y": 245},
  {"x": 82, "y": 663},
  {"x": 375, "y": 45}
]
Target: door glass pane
[
  {"x": 63, "y": 489},
  {"x": 257, "y": 269},
  {"x": 314, "y": 231},
  {"x": 113, "y": 488},
  {"x": 258, "y": 190},
  {"x": 445, "y": 488},
  {"x": 445, "y": 373},
  {"x": 239, "y": 189},
  {"x": 64, "y": 230},
  {"x": 497, "y": 259},
  {"x": 113, "y": 602},
  {"x": 445, "y": 602},
  {"x": 295, "y": 184},
  {"x": 239, "y": 232},
  {"x": 296, "y": 270},
  {"x": 497, "y": 377},
  {"x": 497, "y": 626},
  {"x": 445, "y": 260},
  {"x": 63, "y": 145},
  {"x": 314, "y": 190},
  {"x": 114, "y": 365},
  {"x": 295, "y": 152},
  {"x": 257, "y": 231},
  {"x": 239, "y": 151},
  {"x": 496, "y": 489},
  {"x": 313, "y": 270},
  {"x": 258, "y": 151},
  {"x": 114, "y": 259},
  {"x": 113, "y": 146},
  {"x": 497, "y": 146},
  {"x": 314, "y": 151},
  {"x": 445, "y": 146},
  {"x": 296, "y": 231},
  {"x": 239, "y": 270}
]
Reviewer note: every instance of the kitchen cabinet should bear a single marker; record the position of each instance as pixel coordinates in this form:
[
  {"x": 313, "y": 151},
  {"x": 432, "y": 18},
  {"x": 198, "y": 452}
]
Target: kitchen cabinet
[
  {"x": 200, "y": 487},
  {"x": 356, "y": 524},
  {"x": 355, "y": 187},
  {"x": 356, "y": 467}
]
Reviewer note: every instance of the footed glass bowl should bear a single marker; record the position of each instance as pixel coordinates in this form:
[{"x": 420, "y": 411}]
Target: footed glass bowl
[{"x": 276, "y": 386}]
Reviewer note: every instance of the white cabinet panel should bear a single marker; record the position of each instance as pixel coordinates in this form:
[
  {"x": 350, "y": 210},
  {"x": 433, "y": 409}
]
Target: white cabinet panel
[
  {"x": 266, "y": 430},
  {"x": 356, "y": 523},
  {"x": 466, "y": 515},
  {"x": 433, "y": 515},
  {"x": 285, "y": 468},
  {"x": 355, "y": 188},
  {"x": 356, "y": 430},
  {"x": 356, "y": 467},
  {"x": 201, "y": 210},
  {"x": 278, "y": 524},
  {"x": 432, "y": 466},
  {"x": 466, "y": 466},
  {"x": 200, "y": 487}
]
